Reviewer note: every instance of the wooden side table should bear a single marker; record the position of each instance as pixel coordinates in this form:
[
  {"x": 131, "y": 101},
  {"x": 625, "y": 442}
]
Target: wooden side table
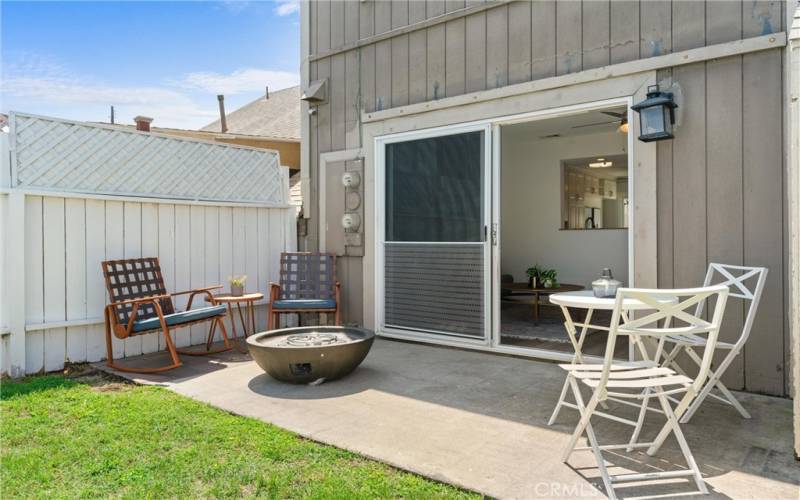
[{"x": 249, "y": 300}]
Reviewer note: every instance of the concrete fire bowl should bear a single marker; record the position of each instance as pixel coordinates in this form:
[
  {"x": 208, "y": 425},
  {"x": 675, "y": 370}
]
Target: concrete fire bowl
[{"x": 310, "y": 353}]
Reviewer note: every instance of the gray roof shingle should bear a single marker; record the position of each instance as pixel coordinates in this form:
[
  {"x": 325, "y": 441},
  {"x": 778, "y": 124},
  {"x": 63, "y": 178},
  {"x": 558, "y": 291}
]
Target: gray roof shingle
[{"x": 278, "y": 116}]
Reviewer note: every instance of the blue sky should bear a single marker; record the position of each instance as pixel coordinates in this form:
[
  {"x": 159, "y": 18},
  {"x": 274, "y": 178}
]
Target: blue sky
[{"x": 167, "y": 60}]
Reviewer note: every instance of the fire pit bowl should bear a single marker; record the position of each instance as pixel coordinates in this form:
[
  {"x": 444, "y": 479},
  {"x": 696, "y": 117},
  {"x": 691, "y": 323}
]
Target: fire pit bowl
[{"x": 310, "y": 353}]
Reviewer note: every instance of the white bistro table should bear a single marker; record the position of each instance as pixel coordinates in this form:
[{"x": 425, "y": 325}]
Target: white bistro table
[{"x": 585, "y": 299}]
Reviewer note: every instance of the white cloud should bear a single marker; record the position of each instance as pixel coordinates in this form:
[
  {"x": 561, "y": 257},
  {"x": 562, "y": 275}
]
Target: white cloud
[
  {"x": 87, "y": 101},
  {"x": 34, "y": 84},
  {"x": 240, "y": 81},
  {"x": 235, "y": 7},
  {"x": 287, "y": 7}
]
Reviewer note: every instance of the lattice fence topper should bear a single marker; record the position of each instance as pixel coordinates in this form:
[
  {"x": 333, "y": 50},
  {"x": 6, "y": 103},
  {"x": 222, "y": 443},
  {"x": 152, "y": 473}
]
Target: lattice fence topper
[{"x": 62, "y": 155}]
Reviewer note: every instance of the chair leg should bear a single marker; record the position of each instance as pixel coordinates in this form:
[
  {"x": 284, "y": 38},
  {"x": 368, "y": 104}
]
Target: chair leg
[
  {"x": 270, "y": 319},
  {"x": 672, "y": 421},
  {"x": 639, "y": 421},
  {"x": 585, "y": 424},
  {"x": 561, "y": 398},
  {"x": 601, "y": 464},
  {"x": 109, "y": 348},
  {"x": 338, "y": 317},
  {"x": 713, "y": 381},
  {"x": 224, "y": 332},
  {"x": 679, "y": 410},
  {"x": 210, "y": 338},
  {"x": 173, "y": 352},
  {"x": 586, "y": 414}
]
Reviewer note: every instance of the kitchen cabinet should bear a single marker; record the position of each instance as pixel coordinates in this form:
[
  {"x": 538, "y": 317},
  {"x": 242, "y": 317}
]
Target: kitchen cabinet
[{"x": 609, "y": 189}]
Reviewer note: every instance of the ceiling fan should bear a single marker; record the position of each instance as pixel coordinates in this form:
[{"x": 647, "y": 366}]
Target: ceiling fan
[{"x": 621, "y": 118}]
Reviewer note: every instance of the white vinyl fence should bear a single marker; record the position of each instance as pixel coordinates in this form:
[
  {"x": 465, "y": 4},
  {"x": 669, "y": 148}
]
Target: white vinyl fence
[{"x": 52, "y": 291}]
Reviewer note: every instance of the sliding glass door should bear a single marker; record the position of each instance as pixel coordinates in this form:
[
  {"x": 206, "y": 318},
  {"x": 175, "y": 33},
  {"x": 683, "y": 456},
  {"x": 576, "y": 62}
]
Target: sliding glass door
[{"x": 435, "y": 276}]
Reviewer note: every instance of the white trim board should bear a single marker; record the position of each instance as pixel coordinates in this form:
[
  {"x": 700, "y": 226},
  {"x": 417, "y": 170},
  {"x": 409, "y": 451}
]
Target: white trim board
[
  {"x": 493, "y": 195},
  {"x": 506, "y": 110},
  {"x": 379, "y": 216},
  {"x": 139, "y": 199}
]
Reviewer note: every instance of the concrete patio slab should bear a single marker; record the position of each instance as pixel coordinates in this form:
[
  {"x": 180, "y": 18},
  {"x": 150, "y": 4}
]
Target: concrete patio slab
[{"x": 478, "y": 421}]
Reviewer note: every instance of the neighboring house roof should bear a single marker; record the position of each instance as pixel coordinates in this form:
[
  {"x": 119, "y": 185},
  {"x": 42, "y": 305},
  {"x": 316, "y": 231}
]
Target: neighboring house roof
[{"x": 277, "y": 117}]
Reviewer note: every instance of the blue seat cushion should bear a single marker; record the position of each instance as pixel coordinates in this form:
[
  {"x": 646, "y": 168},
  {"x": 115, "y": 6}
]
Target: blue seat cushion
[
  {"x": 304, "y": 304},
  {"x": 179, "y": 318}
]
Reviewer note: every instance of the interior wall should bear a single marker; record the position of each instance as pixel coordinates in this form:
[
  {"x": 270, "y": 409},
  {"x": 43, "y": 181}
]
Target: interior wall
[{"x": 531, "y": 209}]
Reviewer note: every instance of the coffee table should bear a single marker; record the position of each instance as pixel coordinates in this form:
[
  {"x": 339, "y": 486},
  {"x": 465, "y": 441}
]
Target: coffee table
[{"x": 523, "y": 289}]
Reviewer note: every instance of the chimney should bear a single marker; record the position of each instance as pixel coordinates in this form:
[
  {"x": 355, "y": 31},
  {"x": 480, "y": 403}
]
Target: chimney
[
  {"x": 143, "y": 123},
  {"x": 223, "y": 125},
  {"x": 266, "y": 94}
]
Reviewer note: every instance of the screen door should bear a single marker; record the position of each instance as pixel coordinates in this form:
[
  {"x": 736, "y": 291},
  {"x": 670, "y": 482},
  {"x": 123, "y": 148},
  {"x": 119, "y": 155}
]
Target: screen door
[{"x": 435, "y": 249}]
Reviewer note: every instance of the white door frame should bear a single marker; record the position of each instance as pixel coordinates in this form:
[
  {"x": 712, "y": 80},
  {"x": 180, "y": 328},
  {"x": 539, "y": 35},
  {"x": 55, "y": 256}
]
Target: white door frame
[
  {"x": 483, "y": 110},
  {"x": 380, "y": 221},
  {"x": 496, "y": 215}
]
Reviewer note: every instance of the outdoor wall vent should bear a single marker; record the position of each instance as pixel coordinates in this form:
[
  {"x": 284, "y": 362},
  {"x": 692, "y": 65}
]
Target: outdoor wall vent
[{"x": 316, "y": 92}]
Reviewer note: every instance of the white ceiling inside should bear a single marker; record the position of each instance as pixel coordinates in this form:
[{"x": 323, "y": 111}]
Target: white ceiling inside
[{"x": 584, "y": 123}]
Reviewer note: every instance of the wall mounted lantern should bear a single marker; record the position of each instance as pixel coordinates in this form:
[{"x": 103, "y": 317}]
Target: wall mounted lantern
[{"x": 656, "y": 115}]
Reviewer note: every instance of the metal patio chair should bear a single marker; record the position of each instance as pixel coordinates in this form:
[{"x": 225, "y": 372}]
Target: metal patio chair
[
  {"x": 140, "y": 304},
  {"x": 746, "y": 283},
  {"x": 641, "y": 380},
  {"x": 307, "y": 284}
]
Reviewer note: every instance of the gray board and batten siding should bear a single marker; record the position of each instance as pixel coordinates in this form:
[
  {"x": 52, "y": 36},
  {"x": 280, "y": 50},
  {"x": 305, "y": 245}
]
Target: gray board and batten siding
[{"x": 721, "y": 181}]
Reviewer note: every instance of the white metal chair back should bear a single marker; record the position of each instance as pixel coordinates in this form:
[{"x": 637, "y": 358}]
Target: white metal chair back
[
  {"x": 674, "y": 319},
  {"x": 746, "y": 283}
]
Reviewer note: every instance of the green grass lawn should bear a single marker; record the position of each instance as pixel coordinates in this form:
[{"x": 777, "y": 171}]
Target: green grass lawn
[{"x": 94, "y": 437}]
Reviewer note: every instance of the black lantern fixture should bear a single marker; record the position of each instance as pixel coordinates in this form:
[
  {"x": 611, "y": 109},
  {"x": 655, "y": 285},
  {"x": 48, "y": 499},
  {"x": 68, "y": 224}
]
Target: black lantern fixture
[{"x": 656, "y": 115}]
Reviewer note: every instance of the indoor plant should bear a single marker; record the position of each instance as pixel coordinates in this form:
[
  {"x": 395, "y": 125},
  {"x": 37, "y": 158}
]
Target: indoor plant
[
  {"x": 237, "y": 285},
  {"x": 549, "y": 278},
  {"x": 534, "y": 276}
]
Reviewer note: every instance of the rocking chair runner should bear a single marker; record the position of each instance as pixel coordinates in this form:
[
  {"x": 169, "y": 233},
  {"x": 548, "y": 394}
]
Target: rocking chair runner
[
  {"x": 140, "y": 304},
  {"x": 307, "y": 284}
]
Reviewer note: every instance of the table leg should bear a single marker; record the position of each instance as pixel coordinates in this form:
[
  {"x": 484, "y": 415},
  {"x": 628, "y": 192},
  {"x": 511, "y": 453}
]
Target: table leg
[
  {"x": 233, "y": 320},
  {"x": 241, "y": 318},
  {"x": 252, "y": 310}
]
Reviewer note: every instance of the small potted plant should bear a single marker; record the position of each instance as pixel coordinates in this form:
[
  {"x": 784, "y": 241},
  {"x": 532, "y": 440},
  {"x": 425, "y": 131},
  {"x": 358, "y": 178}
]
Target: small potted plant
[
  {"x": 534, "y": 276},
  {"x": 549, "y": 278},
  {"x": 237, "y": 285}
]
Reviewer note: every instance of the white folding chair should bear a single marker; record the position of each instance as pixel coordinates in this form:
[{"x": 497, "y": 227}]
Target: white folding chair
[
  {"x": 633, "y": 382},
  {"x": 746, "y": 283}
]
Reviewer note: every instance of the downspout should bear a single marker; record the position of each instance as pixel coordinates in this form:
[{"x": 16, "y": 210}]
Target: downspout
[
  {"x": 792, "y": 110},
  {"x": 305, "y": 117}
]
